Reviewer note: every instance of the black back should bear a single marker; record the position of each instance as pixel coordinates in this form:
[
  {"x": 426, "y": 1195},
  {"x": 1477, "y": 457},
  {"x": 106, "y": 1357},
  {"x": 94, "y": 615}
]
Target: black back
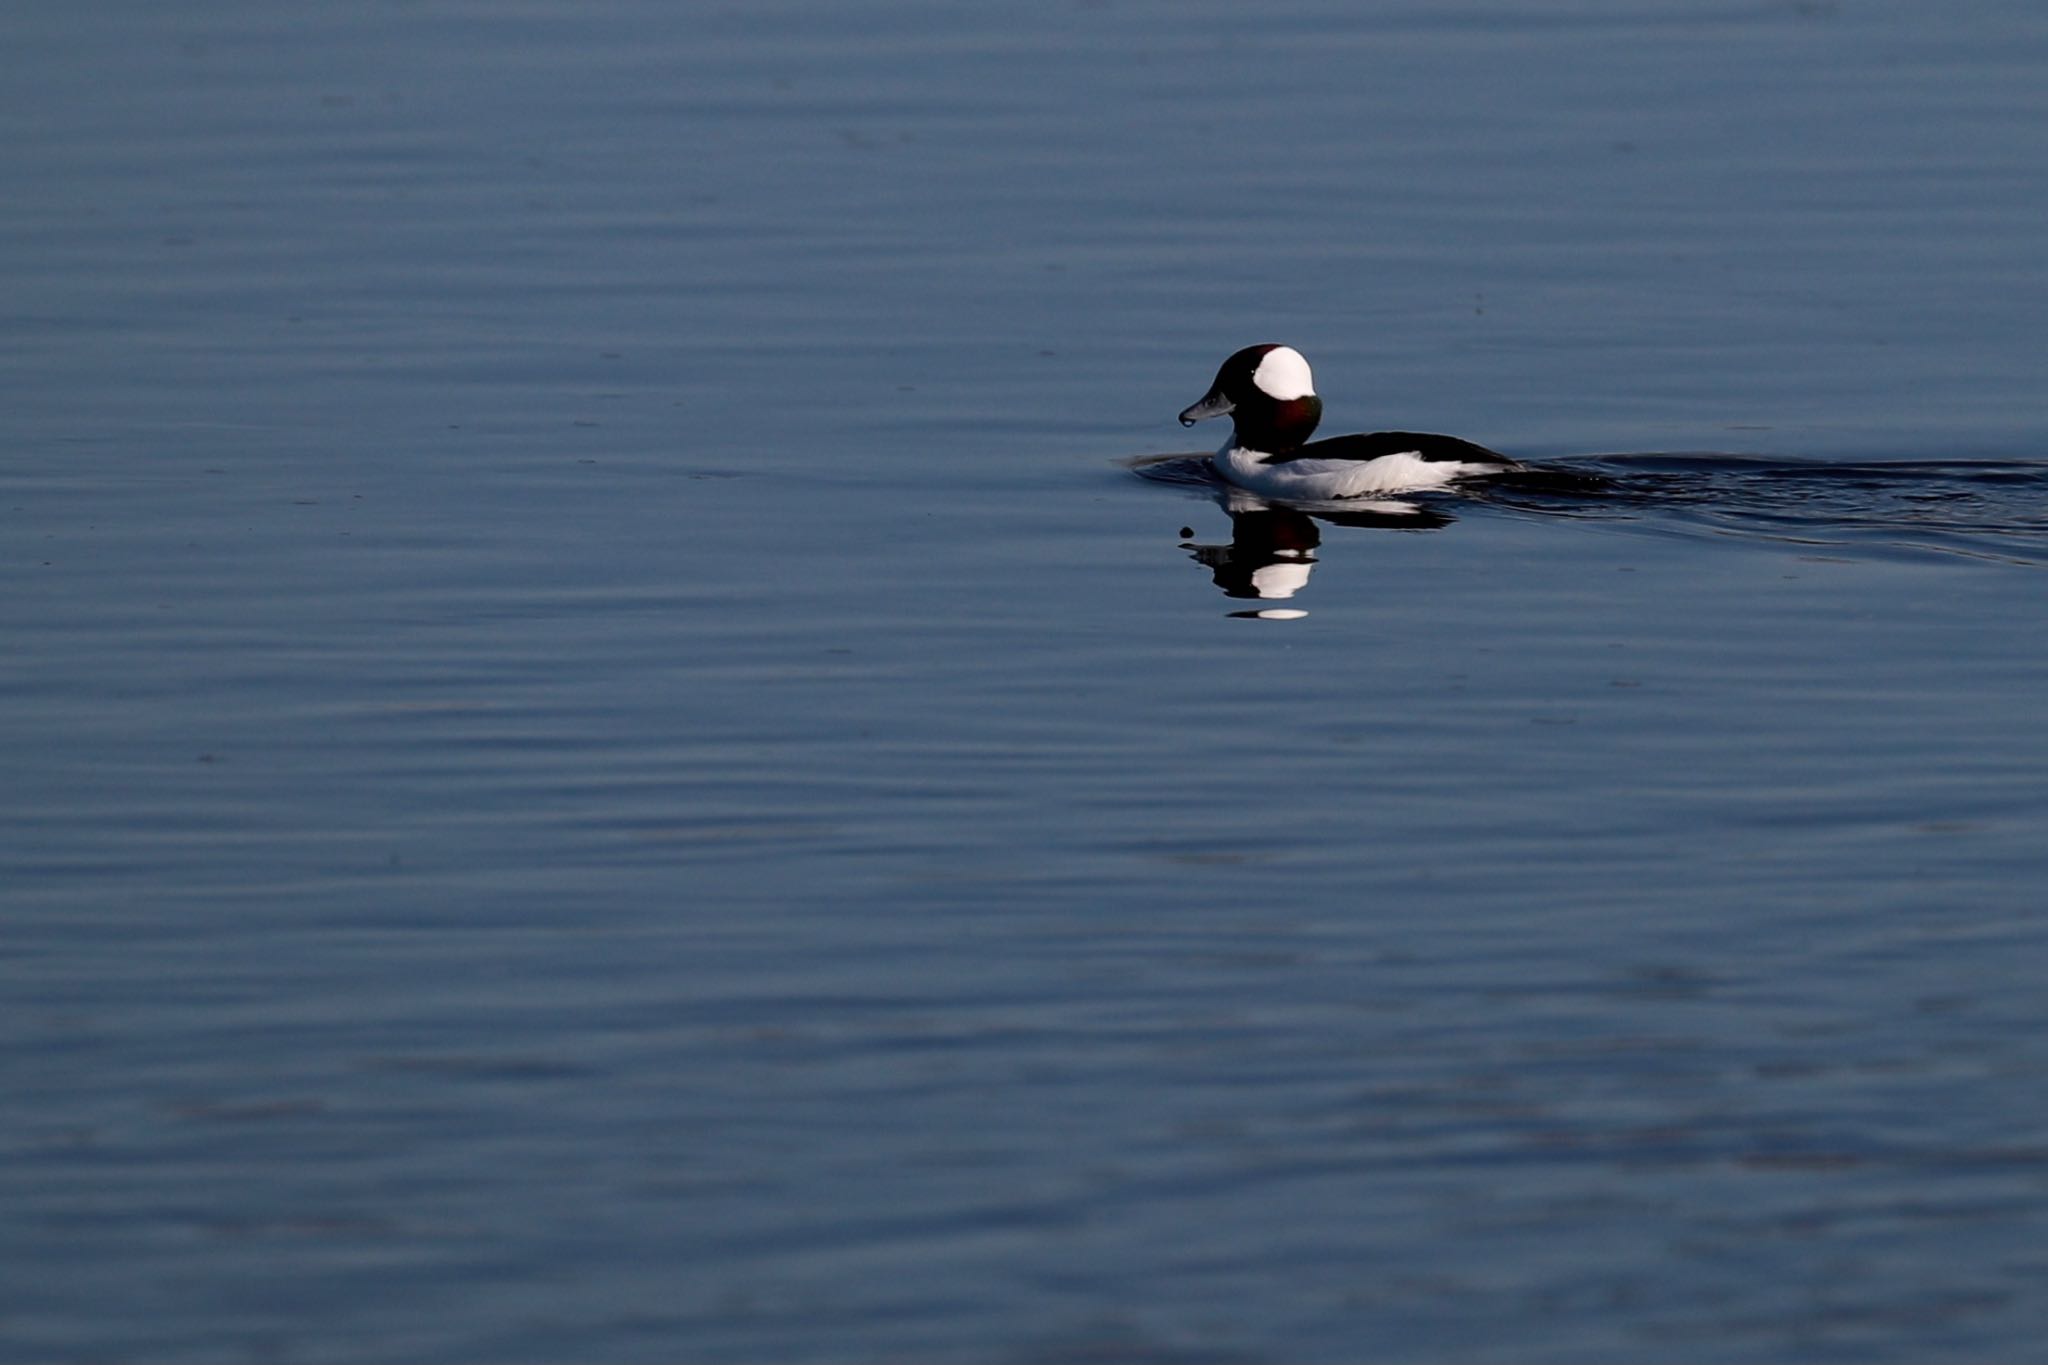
[{"x": 1372, "y": 445}]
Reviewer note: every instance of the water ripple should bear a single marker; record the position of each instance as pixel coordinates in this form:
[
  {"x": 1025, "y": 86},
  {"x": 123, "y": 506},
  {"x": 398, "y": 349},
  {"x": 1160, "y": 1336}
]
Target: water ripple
[{"x": 1989, "y": 509}]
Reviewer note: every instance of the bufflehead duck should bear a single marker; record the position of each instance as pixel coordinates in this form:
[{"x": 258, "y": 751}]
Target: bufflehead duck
[{"x": 1271, "y": 397}]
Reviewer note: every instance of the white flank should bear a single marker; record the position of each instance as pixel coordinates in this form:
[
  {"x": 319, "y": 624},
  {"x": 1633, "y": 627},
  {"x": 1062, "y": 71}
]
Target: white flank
[
  {"x": 1283, "y": 374},
  {"x": 1323, "y": 480}
]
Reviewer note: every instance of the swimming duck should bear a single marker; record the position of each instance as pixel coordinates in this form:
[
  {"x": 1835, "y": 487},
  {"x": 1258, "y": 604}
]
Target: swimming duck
[{"x": 1270, "y": 395}]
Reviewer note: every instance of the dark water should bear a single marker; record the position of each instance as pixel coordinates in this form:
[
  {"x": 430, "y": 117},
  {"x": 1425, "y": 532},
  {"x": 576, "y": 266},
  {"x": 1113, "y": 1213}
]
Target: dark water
[{"x": 612, "y": 754}]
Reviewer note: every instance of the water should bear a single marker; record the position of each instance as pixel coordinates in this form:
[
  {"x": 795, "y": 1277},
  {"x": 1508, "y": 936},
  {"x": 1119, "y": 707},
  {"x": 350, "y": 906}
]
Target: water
[{"x": 613, "y": 756}]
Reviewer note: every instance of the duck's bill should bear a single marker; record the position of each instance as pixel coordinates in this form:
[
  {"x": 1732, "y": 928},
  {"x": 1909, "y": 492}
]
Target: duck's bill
[{"x": 1215, "y": 405}]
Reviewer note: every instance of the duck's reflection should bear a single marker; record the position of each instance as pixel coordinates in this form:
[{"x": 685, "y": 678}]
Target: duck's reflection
[
  {"x": 1272, "y": 549},
  {"x": 1271, "y": 553}
]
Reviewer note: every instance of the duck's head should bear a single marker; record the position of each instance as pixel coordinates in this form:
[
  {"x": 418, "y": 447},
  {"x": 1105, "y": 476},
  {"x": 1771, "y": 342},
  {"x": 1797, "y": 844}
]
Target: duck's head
[{"x": 1269, "y": 392}]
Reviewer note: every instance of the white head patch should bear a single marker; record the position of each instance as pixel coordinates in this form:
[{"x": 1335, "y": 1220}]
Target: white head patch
[{"x": 1283, "y": 374}]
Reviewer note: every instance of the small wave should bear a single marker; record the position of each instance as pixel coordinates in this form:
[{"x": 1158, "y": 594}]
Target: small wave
[
  {"x": 1187, "y": 471},
  {"x": 1991, "y": 509}
]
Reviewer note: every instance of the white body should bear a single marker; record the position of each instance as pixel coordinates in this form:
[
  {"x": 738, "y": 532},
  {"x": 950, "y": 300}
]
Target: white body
[{"x": 1330, "y": 480}]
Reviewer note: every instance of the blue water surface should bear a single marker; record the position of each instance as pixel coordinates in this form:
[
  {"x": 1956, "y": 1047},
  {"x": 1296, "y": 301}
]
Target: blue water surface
[{"x": 619, "y": 747}]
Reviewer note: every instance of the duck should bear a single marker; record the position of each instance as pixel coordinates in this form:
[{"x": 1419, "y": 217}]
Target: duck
[{"x": 1269, "y": 394}]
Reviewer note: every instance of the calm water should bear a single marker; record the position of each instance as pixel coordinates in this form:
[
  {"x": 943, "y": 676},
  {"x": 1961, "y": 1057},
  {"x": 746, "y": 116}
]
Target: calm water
[{"x": 618, "y": 750}]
